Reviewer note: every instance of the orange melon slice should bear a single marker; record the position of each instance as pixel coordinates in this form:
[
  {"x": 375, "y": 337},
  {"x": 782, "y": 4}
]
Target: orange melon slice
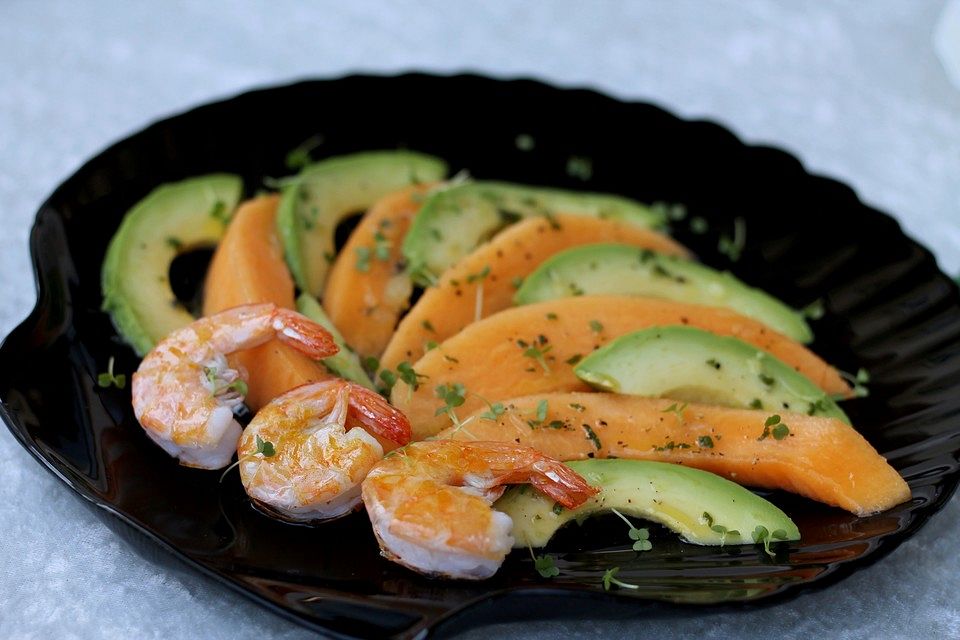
[
  {"x": 532, "y": 349},
  {"x": 817, "y": 457},
  {"x": 248, "y": 267},
  {"x": 367, "y": 288},
  {"x": 485, "y": 281}
]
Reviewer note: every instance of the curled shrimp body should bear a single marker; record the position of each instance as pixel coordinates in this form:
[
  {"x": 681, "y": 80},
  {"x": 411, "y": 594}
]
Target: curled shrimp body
[
  {"x": 318, "y": 458},
  {"x": 185, "y": 393},
  {"x": 430, "y": 503}
]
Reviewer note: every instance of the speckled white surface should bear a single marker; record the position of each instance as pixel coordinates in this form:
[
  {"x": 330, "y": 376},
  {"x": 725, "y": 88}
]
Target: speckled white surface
[{"x": 855, "y": 89}]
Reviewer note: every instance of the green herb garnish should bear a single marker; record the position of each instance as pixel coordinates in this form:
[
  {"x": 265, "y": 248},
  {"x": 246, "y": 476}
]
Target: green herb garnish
[
  {"x": 409, "y": 376},
  {"x": 761, "y": 535},
  {"x": 495, "y": 411},
  {"x": 580, "y": 167},
  {"x": 539, "y": 353},
  {"x": 299, "y": 157},
  {"x": 610, "y": 578},
  {"x": 381, "y": 247},
  {"x": 363, "y": 259},
  {"x": 596, "y": 326},
  {"x": 479, "y": 275},
  {"x": 545, "y": 565},
  {"x": 111, "y": 379},
  {"x": 264, "y": 448},
  {"x": 705, "y": 442},
  {"x": 707, "y": 519},
  {"x": 641, "y": 536},
  {"x": 591, "y": 436},
  {"x": 733, "y": 247},
  {"x": 453, "y": 395},
  {"x": 676, "y": 410}
]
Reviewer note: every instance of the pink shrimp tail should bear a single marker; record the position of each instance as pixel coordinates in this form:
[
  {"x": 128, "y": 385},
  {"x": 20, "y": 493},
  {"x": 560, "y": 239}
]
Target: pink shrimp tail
[
  {"x": 371, "y": 411},
  {"x": 303, "y": 334},
  {"x": 561, "y": 483}
]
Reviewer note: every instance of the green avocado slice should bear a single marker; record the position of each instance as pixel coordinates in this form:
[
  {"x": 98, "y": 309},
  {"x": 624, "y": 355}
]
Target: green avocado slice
[
  {"x": 618, "y": 269},
  {"x": 324, "y": 193},
  {"x": 173, "y": 218},
  {"x": 345, "y": 363},
  {"x": 701, "y": 507},
  {"x": 455, "y": 220},
  {"x": 693, "y": 365}
]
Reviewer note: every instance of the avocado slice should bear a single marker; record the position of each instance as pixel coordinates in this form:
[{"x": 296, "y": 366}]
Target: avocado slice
[
  {"x": 173, "y": 218},
  {"x": 345, "y": 363},
  {"x": 702, "y": 507},
  {"x": 324, "y": 193},
  {"x": 454, "y": 220},
  {"x": 619, "y": 269},
  {"x": 693, "y": 365}
]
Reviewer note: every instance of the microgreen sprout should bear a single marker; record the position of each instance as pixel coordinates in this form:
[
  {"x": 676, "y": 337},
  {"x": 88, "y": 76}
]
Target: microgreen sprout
[
  {"x": 733, "y": 247},
  {"x": 219, "y": 212},
  {"x": 409, "y": 376},
  {"x": 381, "y": 246},
  {"x": 545, "y": 565},
  {"x": 111, "y": 379},
  {"x": 580, "y": 167},
  {"x": 539, "y": 352},
  {"x": 453, "y": 395},
  {"x": 858, "y": 381},
  {"x": 640, "y": 536},
  {"x": 707, "y": 519},
  {"x": 496, "y": 410},
  {"x": 773, "y": 426},
  {"x": 479, "y": 275},
  {"x": 363, "y": 259},
  {"x": 761, "y": 535},
  {"x": 264, "y": 448},
  {"x": 814, "y": 310},
  {"x": 677, "y": 410},
  {"x": 299, "y": 157},
  {"x": 610, "y": 578}
]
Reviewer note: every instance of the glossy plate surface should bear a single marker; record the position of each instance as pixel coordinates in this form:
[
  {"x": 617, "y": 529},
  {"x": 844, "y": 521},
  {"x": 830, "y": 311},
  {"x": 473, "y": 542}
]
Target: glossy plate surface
[{"x": 888, "y": 308}]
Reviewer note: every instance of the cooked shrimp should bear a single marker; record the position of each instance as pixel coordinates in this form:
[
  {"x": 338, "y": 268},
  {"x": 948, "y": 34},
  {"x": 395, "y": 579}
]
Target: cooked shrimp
[
  {"x": 430, "y": 503},
  {"x": 184, "y": 392},
  {"x": 317, "y": 459}
]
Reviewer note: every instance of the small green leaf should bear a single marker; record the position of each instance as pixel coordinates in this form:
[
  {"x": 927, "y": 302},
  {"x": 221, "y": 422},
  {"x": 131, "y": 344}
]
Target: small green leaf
[
  {"x": 545, "y": 565},
  {"x": 265, "y": 448},
  {"x": 363, "y": 259},
  {"x": 239, "y": 386},
  {"x": 772, "y": 420}
]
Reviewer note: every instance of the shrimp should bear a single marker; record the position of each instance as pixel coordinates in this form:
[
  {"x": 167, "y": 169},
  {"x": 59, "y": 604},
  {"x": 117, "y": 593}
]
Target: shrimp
[
  {"x": 430, "y": 503},
  {"x": 185, "y": 392},
  {"x": 316, "y": 460}
]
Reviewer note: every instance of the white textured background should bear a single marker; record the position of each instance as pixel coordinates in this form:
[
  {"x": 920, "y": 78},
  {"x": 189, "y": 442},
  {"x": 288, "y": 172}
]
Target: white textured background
[{"x": 854, "y": 89}]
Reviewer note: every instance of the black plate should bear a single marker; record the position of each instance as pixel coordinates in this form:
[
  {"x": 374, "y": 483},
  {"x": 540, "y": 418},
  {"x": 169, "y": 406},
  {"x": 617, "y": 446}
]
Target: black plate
[{"x": 888, "y": 308}]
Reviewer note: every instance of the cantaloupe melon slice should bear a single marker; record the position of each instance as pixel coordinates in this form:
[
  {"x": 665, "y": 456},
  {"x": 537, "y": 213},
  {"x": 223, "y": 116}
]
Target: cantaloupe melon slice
[
  {"x": 485, "y": 281},
  {"x": 248, "y": 267},
  {"x": 368, "y": 288},
  {"x": 818, "y": 457},
  {"x": 532, "y": 349}
]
